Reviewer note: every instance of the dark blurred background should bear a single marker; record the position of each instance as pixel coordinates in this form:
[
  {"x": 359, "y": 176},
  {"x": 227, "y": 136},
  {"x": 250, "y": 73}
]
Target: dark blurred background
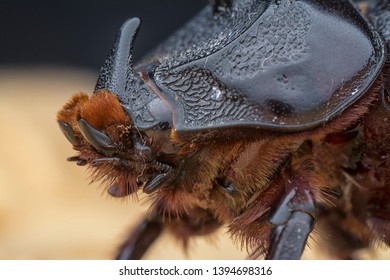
[{"x": 80, "y": 33}]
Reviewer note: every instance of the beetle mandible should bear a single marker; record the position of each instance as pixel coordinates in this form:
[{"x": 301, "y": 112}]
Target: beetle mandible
[{"x": 268, "y": 116}]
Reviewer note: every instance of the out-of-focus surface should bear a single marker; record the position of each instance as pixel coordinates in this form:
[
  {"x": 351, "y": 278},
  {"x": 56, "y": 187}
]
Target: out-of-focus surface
[{"x": 81, "y": 33}]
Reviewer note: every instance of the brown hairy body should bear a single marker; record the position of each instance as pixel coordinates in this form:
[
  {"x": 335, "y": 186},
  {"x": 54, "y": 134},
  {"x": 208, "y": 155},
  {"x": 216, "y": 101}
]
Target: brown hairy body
[{"x": 238, "y": 179}]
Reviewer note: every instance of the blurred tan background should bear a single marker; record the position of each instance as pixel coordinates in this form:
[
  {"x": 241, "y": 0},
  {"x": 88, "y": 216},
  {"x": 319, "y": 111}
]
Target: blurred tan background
[{"x": 48, "y": 210}]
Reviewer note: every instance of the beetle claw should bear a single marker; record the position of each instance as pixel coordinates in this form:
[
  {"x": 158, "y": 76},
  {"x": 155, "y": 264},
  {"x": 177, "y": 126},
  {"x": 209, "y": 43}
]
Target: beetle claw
[
  {"x": 157, "y": 181},
  {"x": 68, "y": 132},
  {"x": 79, "y": 161},
  {"x": 73, "y": 158},
  {"x": 97, "y": 139},
  {"x": 118, "y": 191}
]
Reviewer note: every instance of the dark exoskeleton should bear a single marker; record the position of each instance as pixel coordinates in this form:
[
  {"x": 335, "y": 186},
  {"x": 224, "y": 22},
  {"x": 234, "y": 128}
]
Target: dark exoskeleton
[{"x": 268, "y": 116}]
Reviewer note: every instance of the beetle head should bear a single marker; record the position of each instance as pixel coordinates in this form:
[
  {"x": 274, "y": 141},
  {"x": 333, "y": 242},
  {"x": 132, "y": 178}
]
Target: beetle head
[
  {"x": 101, "y": 130},
  {"x": 102, "y": 134}
]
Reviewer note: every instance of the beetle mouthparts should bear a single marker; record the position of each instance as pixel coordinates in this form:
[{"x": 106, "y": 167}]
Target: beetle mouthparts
[{"x": 117, "y": 72}]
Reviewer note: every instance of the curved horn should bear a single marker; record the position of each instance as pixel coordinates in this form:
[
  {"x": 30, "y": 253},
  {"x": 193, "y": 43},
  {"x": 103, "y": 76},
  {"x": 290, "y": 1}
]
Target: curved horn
[{"x": 117, "y": 72}]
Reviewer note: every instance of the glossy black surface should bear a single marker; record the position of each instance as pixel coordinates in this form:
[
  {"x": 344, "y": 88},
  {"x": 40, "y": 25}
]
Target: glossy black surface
[
  {"x": 286, "y": 65},
  {"x": 279, "y": 65},
  {"x": 117, "y": 74},
  {"x": 97, "y": 139},
  {"x": 68, "y": 132}
]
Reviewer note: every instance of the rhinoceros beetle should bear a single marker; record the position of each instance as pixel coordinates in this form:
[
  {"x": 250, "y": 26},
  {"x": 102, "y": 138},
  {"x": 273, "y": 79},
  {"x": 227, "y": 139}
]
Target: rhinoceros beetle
[{"x": 270, "y": 117}]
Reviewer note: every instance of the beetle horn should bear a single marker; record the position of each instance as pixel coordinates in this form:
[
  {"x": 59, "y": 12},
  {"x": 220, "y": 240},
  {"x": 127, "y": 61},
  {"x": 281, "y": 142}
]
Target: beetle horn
[{"x": 117, "y": 72}]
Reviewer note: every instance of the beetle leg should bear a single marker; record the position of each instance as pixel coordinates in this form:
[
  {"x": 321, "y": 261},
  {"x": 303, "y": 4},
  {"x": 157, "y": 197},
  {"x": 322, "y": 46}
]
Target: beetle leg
[
  {"x": 292, "y": 222},
  {"x": 116, "y": 161},
  {"x": 140, "y": 240},
  {"x": 153, "y": 183},
  {"x": 344, "y": 242}
]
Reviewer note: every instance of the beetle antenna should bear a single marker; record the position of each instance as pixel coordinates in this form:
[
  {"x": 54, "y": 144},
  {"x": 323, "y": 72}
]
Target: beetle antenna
[{"x": 117, "y": 73}]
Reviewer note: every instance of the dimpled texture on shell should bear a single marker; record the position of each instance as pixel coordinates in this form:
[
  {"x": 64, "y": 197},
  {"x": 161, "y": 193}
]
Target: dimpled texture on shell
[
  {"x": 279, "y": 65},
  {"x": 379, "y": 14}
]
